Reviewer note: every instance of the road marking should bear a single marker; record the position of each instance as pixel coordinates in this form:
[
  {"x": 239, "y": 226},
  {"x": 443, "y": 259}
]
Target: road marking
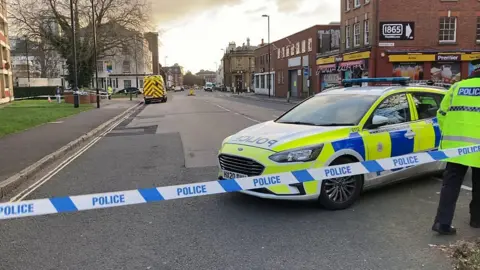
[
  {"x": 463, "y": 186},
  {"x": 24, "y": 193},
  {"x": 251, "y": 119},
  {"x": 276, "y": 116},
  {"x": 56, "y": 122}
]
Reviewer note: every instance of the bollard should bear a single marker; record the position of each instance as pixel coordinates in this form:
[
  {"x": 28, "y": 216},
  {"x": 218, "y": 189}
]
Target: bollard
[{"x": 131, "y": 95}]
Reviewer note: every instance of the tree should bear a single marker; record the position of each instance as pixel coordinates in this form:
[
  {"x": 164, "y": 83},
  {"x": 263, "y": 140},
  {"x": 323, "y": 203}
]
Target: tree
[
  {"x": 48, "y": 21},
  {"x": 192, "y": 79}
]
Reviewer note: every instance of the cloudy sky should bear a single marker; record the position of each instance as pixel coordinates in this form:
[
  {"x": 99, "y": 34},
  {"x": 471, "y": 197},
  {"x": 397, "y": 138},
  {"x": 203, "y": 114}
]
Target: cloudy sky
[{"x": 195, "y": 31}]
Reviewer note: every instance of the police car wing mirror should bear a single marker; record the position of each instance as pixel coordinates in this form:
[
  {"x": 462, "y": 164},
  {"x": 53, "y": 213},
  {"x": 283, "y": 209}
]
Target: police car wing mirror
[{"x": 379, "y": 120}]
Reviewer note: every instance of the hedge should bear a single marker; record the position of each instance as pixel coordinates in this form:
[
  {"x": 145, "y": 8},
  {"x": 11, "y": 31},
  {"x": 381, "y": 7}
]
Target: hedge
[{"x": 34, "y": 91}]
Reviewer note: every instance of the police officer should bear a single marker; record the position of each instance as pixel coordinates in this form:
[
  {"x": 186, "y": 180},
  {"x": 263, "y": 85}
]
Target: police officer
[{"x": 459, "y": 121}]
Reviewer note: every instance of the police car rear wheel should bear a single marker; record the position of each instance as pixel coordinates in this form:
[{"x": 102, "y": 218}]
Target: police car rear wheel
[{"x": 341, "y": 193}]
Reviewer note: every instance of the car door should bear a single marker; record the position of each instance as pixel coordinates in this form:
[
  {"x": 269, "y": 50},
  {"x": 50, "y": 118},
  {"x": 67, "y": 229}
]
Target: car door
[
  {"x": 424, "y": 124},
  {"x": 394, "y": 137}
]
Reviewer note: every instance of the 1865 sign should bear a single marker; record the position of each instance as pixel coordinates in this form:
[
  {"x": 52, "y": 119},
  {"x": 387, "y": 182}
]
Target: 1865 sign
[{"x": 397, "y": 30}]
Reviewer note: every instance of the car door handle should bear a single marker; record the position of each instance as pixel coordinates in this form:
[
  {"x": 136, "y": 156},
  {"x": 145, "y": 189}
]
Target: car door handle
[{"x": 410, "y": 134}]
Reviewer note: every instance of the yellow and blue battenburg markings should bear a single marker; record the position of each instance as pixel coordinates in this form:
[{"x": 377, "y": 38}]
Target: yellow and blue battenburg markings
[{"x": 68, "y": 204}]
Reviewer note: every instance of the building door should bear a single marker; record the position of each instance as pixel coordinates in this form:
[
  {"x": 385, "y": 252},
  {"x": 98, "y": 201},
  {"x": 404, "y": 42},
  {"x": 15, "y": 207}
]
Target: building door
[
  {"x": 127, "y": 83},
  {"x": 293, "y": 83}
]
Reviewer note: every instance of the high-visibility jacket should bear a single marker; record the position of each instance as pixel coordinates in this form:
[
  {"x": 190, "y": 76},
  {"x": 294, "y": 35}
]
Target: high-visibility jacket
[
  {"x": 110, "y": 90},
  {"x": 459, "y": 120}
]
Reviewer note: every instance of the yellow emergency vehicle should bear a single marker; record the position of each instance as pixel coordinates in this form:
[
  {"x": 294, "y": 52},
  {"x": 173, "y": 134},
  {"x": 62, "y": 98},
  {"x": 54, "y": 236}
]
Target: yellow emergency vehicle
[
  {"x": 154, "y": 89},
  {"x": 338, "y": 126}
]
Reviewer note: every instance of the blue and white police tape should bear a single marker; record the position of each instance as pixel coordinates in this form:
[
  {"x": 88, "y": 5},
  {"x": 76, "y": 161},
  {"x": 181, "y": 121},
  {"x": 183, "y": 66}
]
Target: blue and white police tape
[{"x": 149, "y": 195}]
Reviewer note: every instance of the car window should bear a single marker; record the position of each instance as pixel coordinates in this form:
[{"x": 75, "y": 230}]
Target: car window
[
  {"x": 395, "y": 108},
  {"x": 427, "y": 104},
  {"x": 329, "y": 110}
]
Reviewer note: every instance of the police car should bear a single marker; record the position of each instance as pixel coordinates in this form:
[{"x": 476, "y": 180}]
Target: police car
[{"x": 339, "y": 126}]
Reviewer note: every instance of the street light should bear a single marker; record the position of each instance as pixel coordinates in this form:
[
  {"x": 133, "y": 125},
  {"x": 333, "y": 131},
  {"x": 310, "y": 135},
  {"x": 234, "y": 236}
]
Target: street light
[
  {"x": 269, "y": 76},
  {"x": 95, "y": 54},
  {"x": 74, "y": 41},
  {"x": 224, "y": 82}
]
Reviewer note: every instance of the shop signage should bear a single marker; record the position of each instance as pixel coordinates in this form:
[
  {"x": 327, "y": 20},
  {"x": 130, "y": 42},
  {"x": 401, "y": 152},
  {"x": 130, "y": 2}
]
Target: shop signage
[
  {"x": 343, "y": 66},
  {"x": 356, "y": 56},
  {"x": 296, "y": 61},
  {"x": 397, "y": 31},
  {"x": 328, "y": 60},
  {"x": 448, "y": 57},
  {"x": 412, "y": 57},
  {"x": 386, "y": 44},
  {"x": 470, "y": 56},
  {"x": 338, "y": 59}
]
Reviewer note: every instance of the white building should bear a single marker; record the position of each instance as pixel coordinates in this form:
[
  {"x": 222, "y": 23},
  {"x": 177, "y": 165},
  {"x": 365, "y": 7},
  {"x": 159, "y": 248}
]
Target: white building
[
  {"x": 219, "y": 79},
  {"x": 127, "y": 67}
]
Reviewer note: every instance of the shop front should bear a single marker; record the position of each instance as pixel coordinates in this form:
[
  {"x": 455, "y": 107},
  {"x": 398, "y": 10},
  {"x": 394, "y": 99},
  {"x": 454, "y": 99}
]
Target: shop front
[
  {"x": 439, "y": 67},
  {"x": 333, "y": 69}
]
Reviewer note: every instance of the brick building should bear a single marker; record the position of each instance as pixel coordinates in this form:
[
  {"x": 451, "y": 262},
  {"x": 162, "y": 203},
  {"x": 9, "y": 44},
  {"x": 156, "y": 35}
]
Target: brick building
[
  {"x": 174, "y": 75},
  {"x": 423, "y": 40},
  {"x": 6, "y": 84},
  {"x": 292, "y": 63}
]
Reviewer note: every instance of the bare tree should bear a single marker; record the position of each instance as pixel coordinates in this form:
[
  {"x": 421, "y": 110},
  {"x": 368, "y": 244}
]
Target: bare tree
[{"x": 49, "y": 20}]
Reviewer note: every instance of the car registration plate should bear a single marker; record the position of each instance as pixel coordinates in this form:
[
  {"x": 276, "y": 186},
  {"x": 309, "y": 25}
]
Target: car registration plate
[{"x": 232, "y": 175}]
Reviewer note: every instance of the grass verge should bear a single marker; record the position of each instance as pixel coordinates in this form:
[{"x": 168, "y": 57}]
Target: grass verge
[
  {"x": 25, "y": 114},
  {"x": 466, "y": 255}
]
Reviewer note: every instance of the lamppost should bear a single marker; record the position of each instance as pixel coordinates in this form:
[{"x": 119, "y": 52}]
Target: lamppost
[
  {"x": 28, "y": 62},
  {"x": 95, "y": 54},
  {"x": 74, "y": 41},
  {"x": 224, "y": 70},
  {"x": 269, "y": 76}
]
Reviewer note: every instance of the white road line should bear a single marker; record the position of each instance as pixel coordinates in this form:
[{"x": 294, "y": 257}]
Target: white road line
[
  {"x": 251, "y": 119},
  {"x": 463, "y": 186},
  {"x": 24, "y": 193}
]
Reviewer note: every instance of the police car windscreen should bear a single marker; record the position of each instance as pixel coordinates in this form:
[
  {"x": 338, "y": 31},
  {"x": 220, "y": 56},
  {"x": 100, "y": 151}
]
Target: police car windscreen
[{"x": 330, "y": 110}]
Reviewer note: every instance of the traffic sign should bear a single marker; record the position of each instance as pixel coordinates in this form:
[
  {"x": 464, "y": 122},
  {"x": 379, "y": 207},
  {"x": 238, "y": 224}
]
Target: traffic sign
[
  {"x": 397, "y": 30},
  {"x": 306, "y": 71}
]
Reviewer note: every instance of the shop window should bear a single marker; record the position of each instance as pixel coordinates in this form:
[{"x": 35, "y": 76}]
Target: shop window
[
  {"x": 356, "y": 34},
  {"x": 448, "y": 30},
  {"x": 347, "y": 36},
  {"x": 357, "y": 3},
  {"x": 310, "y": 44},
  {"x": 366, "y": 32},
  {"x": 412, "y": 70},
  {"x": 427, "y": 104},
  {"x": 478, "y": 29},
  {"x": 446, "y": 72}
]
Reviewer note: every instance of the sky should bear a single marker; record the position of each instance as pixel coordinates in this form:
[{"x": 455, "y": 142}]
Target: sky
[{"x": 193, "y": 32}]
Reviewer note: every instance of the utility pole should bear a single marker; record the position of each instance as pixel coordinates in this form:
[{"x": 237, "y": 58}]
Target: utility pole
[
  {"x": 28, "y": 62},
  {"x": 74, "y": 40},
  {"x": 269, "y": 75},
  {"x": 95, "y": 54}
]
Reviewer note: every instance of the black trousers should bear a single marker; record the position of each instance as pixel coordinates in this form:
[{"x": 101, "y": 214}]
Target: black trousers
[{"x": 452, "y": 182}]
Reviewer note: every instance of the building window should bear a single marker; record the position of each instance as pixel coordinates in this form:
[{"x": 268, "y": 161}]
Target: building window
[
  {"x": 140, "y": 84},
  {"x": 100, "y": 66},
  {"x": 256, "y": 81},
  {"x": 448, "y": 29},
  {"x": 478, "y": 29},
  {"x": 126, "y": 66},
  {"x": 283, "y": 77},
  {"x": 304, "y": 46},
  {"x": 297, "y": 48},
  {"x": 310, "y": 44},
  {"x": 292, "y": 49},
  {"x": 347, "y": 5},
  {"x": 283, "y": 52},
  {"x": 356, "y": 35},
  {"x": 357, "y": 3},
  {"x": 262, "y": 81},
  {"x": 278, "y": 54},
  {"x": 287, "y": 52},
  {"x": 347, "y": 36},
  {"x": 366, "y": 31},
  {"x": 367, "y": 1}
]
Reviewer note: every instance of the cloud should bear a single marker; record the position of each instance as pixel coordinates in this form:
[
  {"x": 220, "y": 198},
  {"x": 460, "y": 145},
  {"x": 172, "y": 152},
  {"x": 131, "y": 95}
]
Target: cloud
[
  {"x": 257, "y": 10},
  {"x": 287, "y": 6}
]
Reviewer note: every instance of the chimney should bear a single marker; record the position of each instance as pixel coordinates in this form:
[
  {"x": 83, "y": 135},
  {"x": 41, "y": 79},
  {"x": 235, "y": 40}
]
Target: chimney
[
  {"x": 262, "y": 41},
  {"x": 248, "y": 42}
]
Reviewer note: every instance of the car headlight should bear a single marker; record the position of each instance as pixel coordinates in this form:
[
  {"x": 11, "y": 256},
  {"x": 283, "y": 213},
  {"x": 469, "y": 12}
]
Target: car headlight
[{"x": 298, "y": 155}]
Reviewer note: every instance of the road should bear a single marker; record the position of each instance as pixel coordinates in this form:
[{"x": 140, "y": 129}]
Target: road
[{"x": 177, "y": 142}]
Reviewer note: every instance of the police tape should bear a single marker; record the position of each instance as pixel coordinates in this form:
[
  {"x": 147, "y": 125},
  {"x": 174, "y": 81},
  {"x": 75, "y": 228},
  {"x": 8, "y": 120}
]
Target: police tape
[{"x": 67, "y": 204}]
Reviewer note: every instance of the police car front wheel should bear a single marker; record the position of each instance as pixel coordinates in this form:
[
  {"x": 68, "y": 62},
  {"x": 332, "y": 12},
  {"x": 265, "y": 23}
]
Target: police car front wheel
[{"x": 341, "y": 193}]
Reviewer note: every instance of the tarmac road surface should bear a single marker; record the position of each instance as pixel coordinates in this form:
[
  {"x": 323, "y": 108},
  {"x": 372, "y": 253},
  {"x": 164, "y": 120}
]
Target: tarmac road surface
[{"x": 177, "y": 142}]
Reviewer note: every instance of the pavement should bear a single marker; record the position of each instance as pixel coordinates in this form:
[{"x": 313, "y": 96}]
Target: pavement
[
  {"x": 27, "y": 147},
  {"x": 176, "y": 143}
]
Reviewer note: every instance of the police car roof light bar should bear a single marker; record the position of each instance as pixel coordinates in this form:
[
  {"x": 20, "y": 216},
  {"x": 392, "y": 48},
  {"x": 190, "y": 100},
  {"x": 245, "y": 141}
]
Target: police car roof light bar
[{"x": 400, "y": 80}]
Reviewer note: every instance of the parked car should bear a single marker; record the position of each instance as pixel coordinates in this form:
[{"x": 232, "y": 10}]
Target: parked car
[{"x": 127, "y": 90}]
